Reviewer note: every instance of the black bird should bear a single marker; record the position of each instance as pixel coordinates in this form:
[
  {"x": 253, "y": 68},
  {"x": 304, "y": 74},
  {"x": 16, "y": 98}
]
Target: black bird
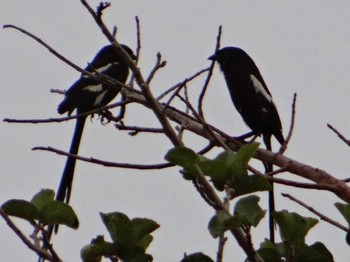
[
  {"x": 87, "y": 94},
  {"x": 252, "y": 100}
]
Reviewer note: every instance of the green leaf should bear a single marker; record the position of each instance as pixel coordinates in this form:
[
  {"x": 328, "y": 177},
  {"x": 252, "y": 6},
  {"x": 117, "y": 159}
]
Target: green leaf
[
  {"x": 241, "y": 159},
  {"x": 117, "y": 225},
  {"x": 43, "y": 197},
  {"x": 133, "y": 232},
  {"x": 293, "y": 227},
  {"x": 322, "y": 249},
  {"x": 184, "y": 157},
  {"x": 344, "y": 209},
  {"x": 58, "y": 213},
  {"x": 134, "y": 254},
  {"x": 97, "y": 249},
  {"x": 215, "y": 169},
  {"x": 145, "y": 242},
  {"x": 251, "y": 184},
  {"x": 197, "y": 257},
  {"x": 279, "y": 247},
  {"x": 305, "y": 253},
  {"x": 140, "y": 230},
  {"x": 249, "y": 209},
  {"x": 270, "y": 254},
  {"x": 20, "y": 208},
  {"x": 226, "y": 157},
  {"x": 216, "y": 224}
]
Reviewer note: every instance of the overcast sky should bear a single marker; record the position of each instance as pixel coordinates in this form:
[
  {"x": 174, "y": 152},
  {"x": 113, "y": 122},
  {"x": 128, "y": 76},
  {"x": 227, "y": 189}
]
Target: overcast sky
[{"x": 299, "y": 46}]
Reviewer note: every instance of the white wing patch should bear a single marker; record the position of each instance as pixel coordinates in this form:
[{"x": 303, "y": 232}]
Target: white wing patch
[
  {"x": 259, "y": 88},
  {"x": 99, "y": 98},
  {"x": 102, "y": 69},
  {"x": 95, "y": 89}
]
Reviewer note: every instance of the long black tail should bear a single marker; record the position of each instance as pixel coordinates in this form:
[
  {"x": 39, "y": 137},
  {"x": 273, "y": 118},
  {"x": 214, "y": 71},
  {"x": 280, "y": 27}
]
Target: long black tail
[
  {"x": 269, "y": 168},
  {"x": 65, "y": 188}
]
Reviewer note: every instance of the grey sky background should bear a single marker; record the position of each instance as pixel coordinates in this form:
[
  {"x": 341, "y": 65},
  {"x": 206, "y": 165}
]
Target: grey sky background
[{"x": 299, "y": 46}]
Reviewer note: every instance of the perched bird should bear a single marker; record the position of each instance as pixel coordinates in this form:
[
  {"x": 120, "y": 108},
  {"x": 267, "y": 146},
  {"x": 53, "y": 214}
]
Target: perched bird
[
  {"x": 252, "y": 100},
  {"x": 87, "y": 94}
]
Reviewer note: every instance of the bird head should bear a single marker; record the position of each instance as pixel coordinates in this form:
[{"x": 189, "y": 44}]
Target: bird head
[
  {"x": 108, "y": 53},
  {"x": 129, "y": 51},
  {"x": 230, "y": 56}
]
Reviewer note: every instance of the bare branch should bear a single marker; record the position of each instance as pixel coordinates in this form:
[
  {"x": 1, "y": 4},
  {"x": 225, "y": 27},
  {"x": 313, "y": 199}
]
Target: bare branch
[
  {"x": 25, "y": 240},
  {"x": 320, "y": 215},
  {"x": 301, "y": 185},
  {"x": 138, "y": 37},
  {"x": 103, "y": 162},
  {"x": 314, "y": 174},
  {"x": 159, "y": 64},
  {"x": 291, "y": 128},
  {"x": 220, "y": 253},
  {"x": 63, "y": 119},
  {"x": 58, "y": 91},
  {"x": 135, "y": 129},
  {"x": 346, "y": 141},
  {"x": 207, "y": 80},
  {"x": 138, "y": 48},
  {"x": 182, "y": 83},
  {"x": 202, "y": 121},
  {"x": 97, "y": 76}
]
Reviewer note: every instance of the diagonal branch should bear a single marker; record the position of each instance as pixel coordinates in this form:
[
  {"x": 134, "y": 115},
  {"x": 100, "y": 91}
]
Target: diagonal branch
[
  {"x": 63, "y": 119},
  {"x": 42, "y": 253},
  {"x": 207, "y": 80},
  {"x": 346, "y": 141},
  {"x": 320, "y": 215},
  {"x": 103, "y": 162}
]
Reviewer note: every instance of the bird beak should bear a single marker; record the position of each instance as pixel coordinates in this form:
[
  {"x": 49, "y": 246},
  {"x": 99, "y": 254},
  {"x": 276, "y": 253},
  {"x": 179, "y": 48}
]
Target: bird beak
[{"x": 213, "y": 57}]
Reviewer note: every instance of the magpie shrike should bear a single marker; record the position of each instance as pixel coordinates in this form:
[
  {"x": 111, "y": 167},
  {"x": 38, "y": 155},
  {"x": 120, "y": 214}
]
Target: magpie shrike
[
  {"x": 85, "y": 95},
  {"x": 252, "y": 100}
]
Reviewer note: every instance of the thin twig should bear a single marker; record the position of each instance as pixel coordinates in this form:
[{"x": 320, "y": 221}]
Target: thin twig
[
  {"x": 207, "y": 80},
  {"x": 138, "y": 38},
  {"x": 320, "y": 215},
  {"x": 271, "y": 177},
  {"x": 136, "y": 129},
  {"x": 202, "y": 121},
  {"x": 187, "y": 110},
  {"x": 63, "y": 119},
  {"x": 346, "y": 141},
  {"x": 173, "y": 95},
  {"x": 103, "y": 162},
  {"x": 58, "y": 91},
  {"x": 291, "y": 128},
  {"x": 182, "y": 83},
  {"x": 221, "y": 245},
  {"x": 97, "y": 77},
  {"x": 138, "y": 49},
  {"x": 25, "y": 240},
  {"x": 302, "y": 185},
  {"x": 159, "y": 64}
]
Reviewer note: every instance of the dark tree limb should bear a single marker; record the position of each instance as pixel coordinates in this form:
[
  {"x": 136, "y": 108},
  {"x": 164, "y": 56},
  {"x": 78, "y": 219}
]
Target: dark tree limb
[
  {"x": 38, "y": 250},
  {"x": 320, "y": 215},
  {"x": 207, "y": 80},
  {"x": 346, "y": 141}
]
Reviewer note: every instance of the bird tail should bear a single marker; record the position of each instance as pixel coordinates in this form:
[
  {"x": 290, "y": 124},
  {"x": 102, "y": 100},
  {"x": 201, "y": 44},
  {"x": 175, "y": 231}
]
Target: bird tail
[
  {"x": 65, "y": 187},
  {"x": 280, "y": 138},
  {"x": 269, "y": 168}
]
